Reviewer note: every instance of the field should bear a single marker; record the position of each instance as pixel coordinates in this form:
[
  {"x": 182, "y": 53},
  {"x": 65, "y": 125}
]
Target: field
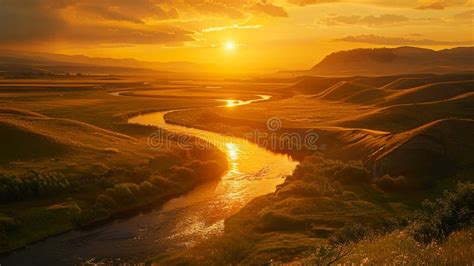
[
  {"x": 382, "y": 146},
  {"x": 69, "y": 158}
]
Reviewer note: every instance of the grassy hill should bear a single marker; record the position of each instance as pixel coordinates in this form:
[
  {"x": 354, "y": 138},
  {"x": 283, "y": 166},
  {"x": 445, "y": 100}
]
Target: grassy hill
[
  {"x": 58, "y": 174},
  {"x": 437, "y": 149},
  {"x": 342, "y": 90},
  {"x": 392, "y": 61},
  {"x": 49, "y": 143},
  {"x": 429, "y": 93},
  {"x": 399, "y": 118}
]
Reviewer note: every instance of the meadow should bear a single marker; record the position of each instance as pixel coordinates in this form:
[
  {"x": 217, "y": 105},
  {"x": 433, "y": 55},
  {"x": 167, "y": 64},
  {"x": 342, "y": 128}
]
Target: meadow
[
  {"x": 384, "y": 145},
  {"x": 389, "y": 143},
  {"x": 69, "y": 158}
]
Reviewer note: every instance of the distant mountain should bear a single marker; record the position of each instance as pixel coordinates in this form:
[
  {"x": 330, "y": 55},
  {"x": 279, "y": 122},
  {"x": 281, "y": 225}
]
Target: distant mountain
[
  {"x": 391, "y": 61},
  {"x": 21, "y": 61}
]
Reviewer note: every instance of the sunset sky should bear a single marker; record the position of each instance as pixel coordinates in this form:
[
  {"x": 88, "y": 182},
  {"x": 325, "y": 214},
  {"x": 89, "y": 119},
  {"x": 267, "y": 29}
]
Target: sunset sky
[{"x": 280, "y": 34}]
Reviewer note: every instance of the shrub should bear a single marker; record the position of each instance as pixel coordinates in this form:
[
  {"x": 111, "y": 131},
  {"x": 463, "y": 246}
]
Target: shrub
[
  {"x": 345, "y": 172},
  {"x": 393, "y": 184},
  {"x": 33, "y": 185},
  {"x": 105, "y": 202},
  {"x": 146, "y": 188},
  {"x": 307, "y": 189},
  {"x": 159, "y": 181},
  {"x": 350, "y": 234},
  {"x": 180, "y": 173},
  {"x": 352, "y": 173},
  {"x": 123, "y": 192},
  {"x": 274, "y": 221},
  {"x": 7, "y": 223},
  {"x": 438, "y": 219}
]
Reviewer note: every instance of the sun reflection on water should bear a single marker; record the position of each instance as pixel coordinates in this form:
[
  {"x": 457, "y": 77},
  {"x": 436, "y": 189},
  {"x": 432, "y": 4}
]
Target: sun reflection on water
[
  {"x": 232, "y": 103},
  {"x": 253, "y": 171},
  {"x": 232, "y": 150}
]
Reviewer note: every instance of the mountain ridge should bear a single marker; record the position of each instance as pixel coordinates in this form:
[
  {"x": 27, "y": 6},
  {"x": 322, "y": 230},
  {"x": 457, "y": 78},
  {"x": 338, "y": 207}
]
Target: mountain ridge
[
  {"x": 25, "y": 58},
  {"x": 400, "y": 60}
]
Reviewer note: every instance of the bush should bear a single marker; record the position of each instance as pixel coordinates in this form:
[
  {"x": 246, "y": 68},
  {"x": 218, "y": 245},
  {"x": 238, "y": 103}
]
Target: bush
[
  {"x": 180, "y": 173},
  {"x": 274, "y": 221},
  {"x": 124, "y": 192},
  {"x": 307, "y": 189},
  {"x": 7, "y": 223},
  {"x": 33, "y": 185},
  {"x": 352, "y": 173},
  {"x": 350, "y": 234},
  {"x": 438, "y": 219},
  {"x": 159, "y": 182},
  {"x": 392, "y": 184},
  {"x": 105, "y": 202},
  {"x": 345, "y": 172},
  {"x": 146, "y": 188}
]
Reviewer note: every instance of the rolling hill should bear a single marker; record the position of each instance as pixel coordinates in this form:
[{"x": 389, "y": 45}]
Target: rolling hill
[
  {"x": 12, "y": 61},
  {"x": 399, "y": 118},
  {"x": 26, "y": 135},
  {"x": 436, "y": 149},
  {"x": 342, "y": 90},
  {"x": 430, "y": 93},
  {"x": 392, "y": 61}
]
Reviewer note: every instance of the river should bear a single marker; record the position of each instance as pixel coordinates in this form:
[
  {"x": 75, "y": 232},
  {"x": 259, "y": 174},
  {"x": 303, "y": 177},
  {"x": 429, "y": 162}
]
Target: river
[{"x": 179, "y": 223}]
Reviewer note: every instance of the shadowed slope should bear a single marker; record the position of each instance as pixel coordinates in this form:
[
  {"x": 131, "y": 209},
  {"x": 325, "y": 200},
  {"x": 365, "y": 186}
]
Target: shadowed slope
[
  {"x": 392, "y": 61},
  {"x": 312, "y": 85},
  {"x": 436, "y": 149},
  {"x": 406, "y": 83},
  {"x": 368, "y": 96},
  {"x": 430, "y": 93},
  {"x": 342, "y": 90},
  {"x": 28, "y": 135},
  {"x": 399, "y": 118}
]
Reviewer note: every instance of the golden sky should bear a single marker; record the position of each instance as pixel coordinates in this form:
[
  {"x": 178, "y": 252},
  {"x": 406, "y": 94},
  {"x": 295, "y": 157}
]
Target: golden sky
[{"x": 279, "y": 34}]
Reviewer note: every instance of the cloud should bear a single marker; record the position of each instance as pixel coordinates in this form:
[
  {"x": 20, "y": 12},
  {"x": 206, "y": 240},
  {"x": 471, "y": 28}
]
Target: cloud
[
  {"x": 139, "y": 21},
  {"x": 110, "y": 34},
  {"x": 269, "y": 9},
  {"x": 465, "y": 16},
  {"x": 382, "y": 40},
  {"x": 440, "y": 5},
  {"x": 34, "y": 21},
  {"x": 235, "y": 26},
  {"x": 419, "y": 4},
  {"x": 29, "y": 20},
  {"x": 217, "y": 8},
  {"x": 381, "y": 20},
  {"x": 128, "y": 11},
  {"x": 309, "y": 2}
]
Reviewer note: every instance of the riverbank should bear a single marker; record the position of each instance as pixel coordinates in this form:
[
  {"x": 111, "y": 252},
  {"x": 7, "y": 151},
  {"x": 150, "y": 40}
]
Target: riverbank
[
  {"x": 46, "y": 207},
  {"x": 174, "y": 168},
  {"x": 359, "y": 184},
  {"x": 60, "y": 174}
]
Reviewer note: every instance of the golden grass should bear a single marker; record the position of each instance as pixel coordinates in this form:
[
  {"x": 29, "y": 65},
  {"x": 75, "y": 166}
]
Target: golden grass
[{"x": 398, "y": 248}]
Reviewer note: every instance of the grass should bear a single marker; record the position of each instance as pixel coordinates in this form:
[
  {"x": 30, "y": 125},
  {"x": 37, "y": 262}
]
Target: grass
[
  {"x": 61, "y": 127},
  {"x": 399, "y": 248},
  {"x": 323, "y": 196}
]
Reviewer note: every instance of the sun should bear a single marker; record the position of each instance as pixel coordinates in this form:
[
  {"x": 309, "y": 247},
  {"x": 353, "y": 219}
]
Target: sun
[{"x": 229, "y": 45}]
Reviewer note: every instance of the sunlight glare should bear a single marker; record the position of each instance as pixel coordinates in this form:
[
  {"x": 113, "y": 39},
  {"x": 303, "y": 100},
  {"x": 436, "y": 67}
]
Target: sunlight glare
[
  {"x": 232, "y": 151},
  {"x": 232, "y": 103},
  {"x": 229, "y": 45}
]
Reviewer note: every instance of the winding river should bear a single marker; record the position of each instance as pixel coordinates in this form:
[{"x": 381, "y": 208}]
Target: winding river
[{"x": 181, "y": 222}]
